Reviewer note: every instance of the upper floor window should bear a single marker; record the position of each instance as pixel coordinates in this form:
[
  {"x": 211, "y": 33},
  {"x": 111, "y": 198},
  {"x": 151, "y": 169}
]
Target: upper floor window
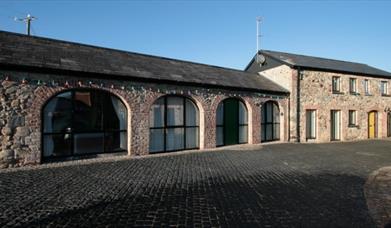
[
  {"x": 353, "y": 85},
  {"x": 367, "y": 86},
  {"x": 384, "y": 87},
  {"x": 336, "y": 84}
]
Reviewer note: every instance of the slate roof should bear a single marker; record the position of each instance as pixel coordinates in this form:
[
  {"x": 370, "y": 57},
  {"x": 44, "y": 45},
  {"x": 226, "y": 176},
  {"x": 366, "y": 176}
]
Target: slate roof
[
  {"x": 42, "y": 53},
  {"x": 317, "y": 63}
]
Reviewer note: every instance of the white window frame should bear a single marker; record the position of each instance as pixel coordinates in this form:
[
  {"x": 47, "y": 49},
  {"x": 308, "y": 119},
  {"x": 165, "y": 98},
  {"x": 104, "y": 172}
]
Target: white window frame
[
  {"x": 353, "y": 86},
  {"x": 352, "y": 120},
  {"x": 336, "y": 84},
  {"x": 384, "y": 88},
  {"x": 311, "y": 122}
]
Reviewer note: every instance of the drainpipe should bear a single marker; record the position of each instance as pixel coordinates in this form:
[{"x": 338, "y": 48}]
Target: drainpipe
[{"x": 298, "y": 104}]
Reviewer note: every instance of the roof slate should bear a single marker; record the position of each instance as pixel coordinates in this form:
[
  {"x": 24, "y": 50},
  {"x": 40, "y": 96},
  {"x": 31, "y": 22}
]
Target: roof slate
[
  {"x": 304, "y": 61},
  {"x": 44, "y": 53}
]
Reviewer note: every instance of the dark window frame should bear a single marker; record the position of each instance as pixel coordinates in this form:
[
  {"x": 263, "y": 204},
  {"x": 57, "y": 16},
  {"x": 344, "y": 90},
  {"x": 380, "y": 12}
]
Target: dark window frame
[
  {"x": 239, "y": 125},
  {"x": 183, "y": 126},
  {"x": 265, "y": 124},
  {"x": 72, "y": 133}
]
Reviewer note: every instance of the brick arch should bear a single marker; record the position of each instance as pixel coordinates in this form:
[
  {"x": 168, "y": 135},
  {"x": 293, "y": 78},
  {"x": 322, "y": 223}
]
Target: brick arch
[
  {"x": 252, "y": 116},
  {"x": 195, "y": 99},
  {"x": 43, "y": 94}
]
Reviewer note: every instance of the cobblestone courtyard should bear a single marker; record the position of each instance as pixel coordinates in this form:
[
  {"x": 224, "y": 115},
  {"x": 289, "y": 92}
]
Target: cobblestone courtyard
[{"x": 280, "y": 185}]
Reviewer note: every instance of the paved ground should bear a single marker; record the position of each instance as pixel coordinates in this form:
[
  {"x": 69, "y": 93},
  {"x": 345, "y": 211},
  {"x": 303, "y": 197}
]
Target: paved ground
[
  {"x": 281, "y": 185},
  {"x": 378, "y": 196}
]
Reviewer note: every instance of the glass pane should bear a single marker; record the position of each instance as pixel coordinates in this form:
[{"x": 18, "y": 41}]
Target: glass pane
[
  {"x": 243, "y": 130},
  {"x": 156, "y": 140},
  {"x": 191, "y": 114},
  {"x": 269, "y": 112},
  {"x": 219, "y": 136},
  {"x": 116, "y": 141},
  {"x": 269, "y": 131},
  {"x": 263, "y": 113},
  {"x": 115, "y": 113},
  {"x": 192, "y": 138},
  {"x": 156, "y": 115},
  {"x": 57, "y": 145},
  {"x": 174, "y": 139},
  {"x": 88, "y": 111},
  {"x": 276, "y": 133},
  {"x": 88, "y": 143},
  {"x": 263, "y": 133},
  {"x": 220, "y": 114},
  {"x": 276, "y": 113},
  {"x": 58, "y": 113},
  {"x": 174, "y": 111},
  {"x": 243, "y": 117}
]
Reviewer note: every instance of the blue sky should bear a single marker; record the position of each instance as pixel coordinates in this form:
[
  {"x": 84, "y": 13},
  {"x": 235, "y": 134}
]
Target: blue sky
[{"x": 215, "y": 32}]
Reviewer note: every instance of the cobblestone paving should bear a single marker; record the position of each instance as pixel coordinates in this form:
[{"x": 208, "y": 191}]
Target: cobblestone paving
[{"x": 280, "y": 185}]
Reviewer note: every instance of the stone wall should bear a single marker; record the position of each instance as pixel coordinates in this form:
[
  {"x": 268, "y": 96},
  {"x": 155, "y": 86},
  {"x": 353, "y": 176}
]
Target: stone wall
[
  {"x": 23, "y": 96},
  {"x": 286, "y": 77},
  {"x": 316, "y": 93}
]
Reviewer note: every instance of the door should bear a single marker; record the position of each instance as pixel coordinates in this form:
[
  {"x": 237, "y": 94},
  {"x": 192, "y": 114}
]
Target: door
[
  {"x": 270, "y": 122},
  {"x": 231, "y": 124},
  {"x": 372, "y": 124},
  {"x": 335, "y": 125}
]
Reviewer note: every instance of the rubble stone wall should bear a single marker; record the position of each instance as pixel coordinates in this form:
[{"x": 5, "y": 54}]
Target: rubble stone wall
[{"x": 23, "y": 95}]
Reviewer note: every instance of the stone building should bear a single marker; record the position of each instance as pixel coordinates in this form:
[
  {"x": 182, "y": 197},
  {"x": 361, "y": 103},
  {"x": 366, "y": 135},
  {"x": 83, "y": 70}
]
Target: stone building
[
  {"x": 330, "y": 100},
  {"x": 62, "y": 100}
]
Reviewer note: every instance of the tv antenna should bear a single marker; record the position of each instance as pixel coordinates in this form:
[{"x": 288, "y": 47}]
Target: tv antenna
[
  {"x": 260, "y": 58},
  {"x": 28, "y": 19}
]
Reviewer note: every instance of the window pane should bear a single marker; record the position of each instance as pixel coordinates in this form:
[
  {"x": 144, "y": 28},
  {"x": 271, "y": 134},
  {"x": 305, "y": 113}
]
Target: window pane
[
  {"x": 192, "y": 137},
  {"x": 263, "y": 133},
  {"x": 191, "y": 114},
  {"x": 219, "y": 136},
  {"x": 115, "y": 141},
  {"x": 57, "y": 145},
  {"x": 220, "y": 114},
  {"x": 174, "y": 111},
  {"x": 263, "y": 110},
  {"x": 174, "y": 139},
  {"x": 88, "y": 143},
  {"x": 276, "y": 113},
  {"x": 276, "y": 133},
  {"x": 269, "y": 112},
  {"x": 88, "y": 111},
  {"x": 269, "y": 132},
  {"x": 243, "y": 130},
  {"x": 156, "y": 140},
  {"x": 115, "y": 114},
  {"x": 243, "y": 117},
  {"x": 156, "y": 115},
  {"x": 58, "y": 113}
]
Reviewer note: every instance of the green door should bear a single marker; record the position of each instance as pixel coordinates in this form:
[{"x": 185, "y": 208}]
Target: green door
[{"x": 231, "y": 118}]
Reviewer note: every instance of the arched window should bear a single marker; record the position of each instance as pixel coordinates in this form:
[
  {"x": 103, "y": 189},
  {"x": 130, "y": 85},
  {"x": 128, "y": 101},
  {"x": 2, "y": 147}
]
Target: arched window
[
  {"x": 84, "y": 121},
  {"x": 270, "y": 122},
  {"x": 231, "y": 122},
  {"x": 174, "y": 124}
]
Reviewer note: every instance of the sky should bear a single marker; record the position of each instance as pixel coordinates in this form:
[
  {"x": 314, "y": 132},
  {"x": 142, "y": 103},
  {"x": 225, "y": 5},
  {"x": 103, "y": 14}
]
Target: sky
[{"x": 221, "y": 33}]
